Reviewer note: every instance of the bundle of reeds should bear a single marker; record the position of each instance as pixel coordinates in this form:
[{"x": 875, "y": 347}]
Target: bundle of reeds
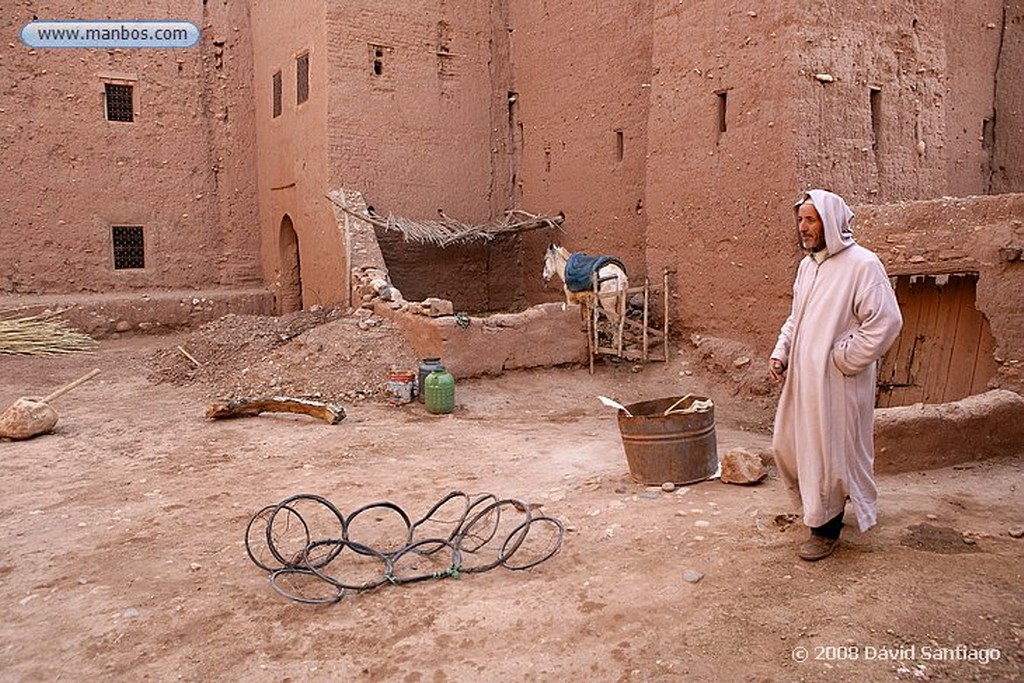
[{"x": 44, "y": 334}]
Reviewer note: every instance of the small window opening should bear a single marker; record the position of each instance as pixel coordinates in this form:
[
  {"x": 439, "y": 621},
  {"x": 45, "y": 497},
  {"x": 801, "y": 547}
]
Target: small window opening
[
  {"x": 119, "y": 102},
  {"x": 513, "y": 97},
  {"x": 619, "y": 145},
  {"x": 277, "y": 94},
  {"x": 723, "y": 103},
  {"x": 444, "y": 37},
  {"x": 988, "y": 132},
  {"x": 129, "y": 246},
  {"x": 378, "y": 61},
  {"x": 302, "y": 78},
  {"x": 876, "y": 116}
]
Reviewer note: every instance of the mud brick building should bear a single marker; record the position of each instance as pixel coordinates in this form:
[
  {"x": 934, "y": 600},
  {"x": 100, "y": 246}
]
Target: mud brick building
[{"x": 672, "y": 134}]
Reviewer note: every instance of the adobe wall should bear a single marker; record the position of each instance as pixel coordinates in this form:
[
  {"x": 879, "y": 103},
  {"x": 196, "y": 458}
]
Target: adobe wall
[
  {"x": 420, "y": 135},
  {"x": 1007, "y": 169},
  {"x": 111, "y": 314},
  {"x": 230, "y": 101},
  {"x": 541, "y": 336},
  {"x": 183, "y": 169},
  {"x": 719, "y": 201},
  {"x": 923, "y": 436},
  {"x": 983, "y": 235},
  {"x": 932, "y": 69},
  {"x": 481, "y": 277},
  {"x": 292, "y": 153},
  {"x": 799, "y": 113},
  {"x": 582, "y": 75},
  {"x": 416, "y": 137}
]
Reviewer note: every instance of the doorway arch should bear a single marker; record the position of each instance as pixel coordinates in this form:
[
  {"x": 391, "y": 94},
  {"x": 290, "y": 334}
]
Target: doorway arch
[{"x": 290, "y": 292}]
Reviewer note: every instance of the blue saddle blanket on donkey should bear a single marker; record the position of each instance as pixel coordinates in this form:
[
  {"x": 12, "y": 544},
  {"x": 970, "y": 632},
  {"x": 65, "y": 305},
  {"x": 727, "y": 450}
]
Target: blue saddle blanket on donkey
[{"x": 580, "y": 267}]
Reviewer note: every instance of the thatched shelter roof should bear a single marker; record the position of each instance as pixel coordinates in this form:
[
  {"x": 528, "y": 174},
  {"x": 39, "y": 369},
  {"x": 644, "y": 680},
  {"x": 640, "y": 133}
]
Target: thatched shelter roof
[{"x": 447, "y": 231}]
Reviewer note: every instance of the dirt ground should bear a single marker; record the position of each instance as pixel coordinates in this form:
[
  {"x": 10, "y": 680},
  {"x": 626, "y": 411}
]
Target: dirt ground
[{"x": 125, "y": 556}]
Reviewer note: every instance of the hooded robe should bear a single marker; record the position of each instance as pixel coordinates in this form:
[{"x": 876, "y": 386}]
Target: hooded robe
[{"x": 844, "y": 318}]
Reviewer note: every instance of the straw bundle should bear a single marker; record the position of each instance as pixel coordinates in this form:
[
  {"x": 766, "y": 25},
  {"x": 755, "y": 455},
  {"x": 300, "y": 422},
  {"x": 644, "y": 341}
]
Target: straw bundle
[{"x": 44, "y": 334}]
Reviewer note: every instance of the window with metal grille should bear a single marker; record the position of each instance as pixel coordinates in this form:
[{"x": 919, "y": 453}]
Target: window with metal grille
[
  {"x": 119, "y": 102},
  {"x": 277, "y": 94},
  {"x": 302, "y": 78},
  {"x": 129, "y": 246}
]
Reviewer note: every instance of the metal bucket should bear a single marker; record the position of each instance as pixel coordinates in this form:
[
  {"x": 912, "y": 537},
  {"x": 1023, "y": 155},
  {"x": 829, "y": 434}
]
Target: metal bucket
[{"x": 679, "y": 447}]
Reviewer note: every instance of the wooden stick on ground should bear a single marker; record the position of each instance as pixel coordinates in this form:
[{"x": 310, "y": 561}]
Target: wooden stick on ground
[
  {"x": 331, "y": 413},
  {"x": 68, "y": 387},
  {"x": 189, "y": 356}
]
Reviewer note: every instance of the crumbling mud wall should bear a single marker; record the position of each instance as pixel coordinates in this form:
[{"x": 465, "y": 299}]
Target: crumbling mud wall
[
  {"x": 897, "y": 98},
  {"x": 541, "y": 336},
  {"x": 920, "y": 436},
  {"x": 103, "y": 316},
  {"x": 982, "y": 235},
  {"x": 470, "y": 345},
  {"x": 182, "y": 169},
  {"x": 1006, "y": 173},
  {"x": 878, "y": 102}
]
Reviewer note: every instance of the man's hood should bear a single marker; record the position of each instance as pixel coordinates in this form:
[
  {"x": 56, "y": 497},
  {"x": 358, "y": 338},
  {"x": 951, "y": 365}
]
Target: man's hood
[{"x": 836, "y": 218}]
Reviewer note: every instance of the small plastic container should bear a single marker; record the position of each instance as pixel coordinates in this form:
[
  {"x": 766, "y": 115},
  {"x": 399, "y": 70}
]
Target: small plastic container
[
  {"x": 427, "y": 366},
  {"x": 400, "y": 387}
]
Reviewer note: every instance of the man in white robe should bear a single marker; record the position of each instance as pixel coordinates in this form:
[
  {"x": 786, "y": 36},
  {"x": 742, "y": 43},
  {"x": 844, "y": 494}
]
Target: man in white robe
[{"x": 844, "y": 318}]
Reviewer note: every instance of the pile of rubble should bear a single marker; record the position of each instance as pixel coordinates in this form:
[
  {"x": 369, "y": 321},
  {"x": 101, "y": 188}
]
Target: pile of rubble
[
  {"x": 371, "y": 283},
  {"x": 327, "y": 354}
]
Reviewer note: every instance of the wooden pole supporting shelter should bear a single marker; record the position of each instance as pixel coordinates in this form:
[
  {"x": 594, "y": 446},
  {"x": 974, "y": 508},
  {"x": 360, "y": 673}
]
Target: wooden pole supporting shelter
[
  {"x": 664, "y": 289},
  {"x": 647, "y": 298},
  {"x": 592, "y": 336}
]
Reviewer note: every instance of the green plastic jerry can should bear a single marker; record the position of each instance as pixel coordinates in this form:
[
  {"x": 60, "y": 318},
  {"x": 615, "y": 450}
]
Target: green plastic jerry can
[{"x": 439, "y": 391}]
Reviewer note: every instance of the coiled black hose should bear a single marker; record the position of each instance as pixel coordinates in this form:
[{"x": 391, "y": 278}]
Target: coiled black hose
[{"x": 308, "y": 548}]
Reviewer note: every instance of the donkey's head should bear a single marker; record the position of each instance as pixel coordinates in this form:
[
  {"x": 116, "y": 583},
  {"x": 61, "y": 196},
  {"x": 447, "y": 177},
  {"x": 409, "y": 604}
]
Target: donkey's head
[{"x": 550, "y": 264}]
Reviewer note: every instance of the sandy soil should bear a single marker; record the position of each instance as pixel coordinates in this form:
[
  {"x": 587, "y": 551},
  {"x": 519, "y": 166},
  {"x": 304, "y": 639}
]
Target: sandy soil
[{"x": 125, "y": 555}]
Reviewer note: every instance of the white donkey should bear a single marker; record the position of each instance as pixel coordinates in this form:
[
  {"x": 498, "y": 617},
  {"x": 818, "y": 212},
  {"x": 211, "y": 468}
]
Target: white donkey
[{"x": 578, "y": 272}]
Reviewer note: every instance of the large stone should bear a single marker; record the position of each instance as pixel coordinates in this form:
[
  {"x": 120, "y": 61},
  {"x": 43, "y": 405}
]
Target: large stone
[
  {"x": 439, "y": 307},
  {"x": 740, "y": 466}
]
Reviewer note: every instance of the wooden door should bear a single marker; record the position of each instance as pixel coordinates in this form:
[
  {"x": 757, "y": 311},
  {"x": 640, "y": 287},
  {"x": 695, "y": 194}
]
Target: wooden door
[{"x": 945, "y": 350}]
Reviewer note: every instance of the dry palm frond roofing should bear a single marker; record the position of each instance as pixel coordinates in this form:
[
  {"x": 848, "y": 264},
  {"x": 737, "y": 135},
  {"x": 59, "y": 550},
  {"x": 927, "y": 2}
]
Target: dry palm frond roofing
[
  {"x": 43, "y": 334},
  {"x": 447, "y": 231}
]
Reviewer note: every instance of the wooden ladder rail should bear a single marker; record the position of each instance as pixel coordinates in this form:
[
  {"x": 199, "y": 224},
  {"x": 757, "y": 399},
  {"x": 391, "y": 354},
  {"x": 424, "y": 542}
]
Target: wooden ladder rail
[{"x": 596, "y": 315}]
